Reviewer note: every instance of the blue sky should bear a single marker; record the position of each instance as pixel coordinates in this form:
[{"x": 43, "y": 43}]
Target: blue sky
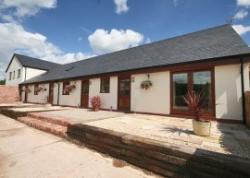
[{"x": 64, "y": 31}]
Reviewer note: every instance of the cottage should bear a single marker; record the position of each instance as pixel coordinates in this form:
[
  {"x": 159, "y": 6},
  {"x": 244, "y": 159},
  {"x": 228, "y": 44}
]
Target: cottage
[{"x": 153, "y": 78}]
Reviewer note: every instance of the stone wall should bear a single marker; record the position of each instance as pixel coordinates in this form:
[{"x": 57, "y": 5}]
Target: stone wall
[{"x": 8, "y": 94}]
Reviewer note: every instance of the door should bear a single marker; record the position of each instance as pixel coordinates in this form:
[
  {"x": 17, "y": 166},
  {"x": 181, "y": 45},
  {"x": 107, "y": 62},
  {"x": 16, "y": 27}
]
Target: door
[
  {"x": 197, "y": 81},
  {"x": 124, "y": 93},
  {"x": 85, "y": 94},
  {"x": 51, "y": 93}
]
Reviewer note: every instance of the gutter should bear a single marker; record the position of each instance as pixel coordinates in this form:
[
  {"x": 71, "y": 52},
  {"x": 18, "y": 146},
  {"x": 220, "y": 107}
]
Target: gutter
[
  {"x": 58, "y": 92},
  {"x": 242, "y": 90},
  {"x": 25, "y": 73}
]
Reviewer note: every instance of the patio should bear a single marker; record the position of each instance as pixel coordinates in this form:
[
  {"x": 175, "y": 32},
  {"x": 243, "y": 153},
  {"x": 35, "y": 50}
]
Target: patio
[
  {"x": 164, "y": 145},
  {"x": 233, "y": 139}
]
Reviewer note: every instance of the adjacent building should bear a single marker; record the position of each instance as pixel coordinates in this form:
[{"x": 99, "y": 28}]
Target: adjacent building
[
  {"x": 153, "y": 78},
  {"x": 22, "y": 68}
]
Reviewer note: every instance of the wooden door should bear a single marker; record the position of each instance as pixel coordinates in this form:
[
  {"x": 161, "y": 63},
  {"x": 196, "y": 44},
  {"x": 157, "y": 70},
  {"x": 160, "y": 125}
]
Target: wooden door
[
  {"x": 85, "y": 94},
  {"x": 51, "y": 93},
  {"x": 124, "y": 93}
]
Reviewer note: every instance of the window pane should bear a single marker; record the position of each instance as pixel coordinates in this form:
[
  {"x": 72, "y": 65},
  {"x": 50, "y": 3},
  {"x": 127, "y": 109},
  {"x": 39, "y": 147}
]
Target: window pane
[
  {"x": 85, "y": 88},
  {"x": 19, "y": 73},
  {"x": 124, "y": 87},
  {"x": 180, "y": 88},
  {"x": 202, "y": 83},
  {"x": 104, "y": 85}
]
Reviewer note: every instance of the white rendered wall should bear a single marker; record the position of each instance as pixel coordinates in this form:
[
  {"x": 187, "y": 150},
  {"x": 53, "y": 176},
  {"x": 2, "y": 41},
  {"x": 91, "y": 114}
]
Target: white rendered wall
[
  {"x": 30, "y": 72},
  {"x": 154, "y": 100},
  {"x": 74, "y": 98},
  {"x": 228, "y": 92},
  {"x": 14, "y": 66},
  {"x": 108, "y": 100},
  {"x": 42, "y": 96}
]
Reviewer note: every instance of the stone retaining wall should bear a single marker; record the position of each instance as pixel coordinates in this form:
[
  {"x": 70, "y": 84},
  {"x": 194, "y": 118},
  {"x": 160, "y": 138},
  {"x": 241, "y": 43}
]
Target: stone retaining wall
[{"x": 163, "y": 158}]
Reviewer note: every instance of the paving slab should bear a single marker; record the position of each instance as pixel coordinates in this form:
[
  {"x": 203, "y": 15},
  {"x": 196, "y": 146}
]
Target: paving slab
[
  {"x": 75, "y": 115},
  {"x": 27, "y": 152}
]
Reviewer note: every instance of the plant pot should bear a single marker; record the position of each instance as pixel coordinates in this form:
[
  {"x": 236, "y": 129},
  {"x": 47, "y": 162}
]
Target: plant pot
[
  {"x": 96, "y": 109},
  {"x": 202, "y": 128}
]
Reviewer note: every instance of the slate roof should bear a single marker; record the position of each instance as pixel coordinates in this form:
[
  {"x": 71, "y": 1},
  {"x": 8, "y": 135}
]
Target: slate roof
[
  {"x": 217, "y": 42},
  {"x": 27, "y": 61}
]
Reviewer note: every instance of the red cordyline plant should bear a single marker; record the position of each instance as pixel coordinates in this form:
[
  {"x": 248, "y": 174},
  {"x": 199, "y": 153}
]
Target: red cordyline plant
[
  {"x": 195, "y": 101},
  {"x": 96, "y": 102}
]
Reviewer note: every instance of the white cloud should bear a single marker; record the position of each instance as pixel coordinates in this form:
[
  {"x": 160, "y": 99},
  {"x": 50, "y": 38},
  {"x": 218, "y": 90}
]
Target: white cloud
[
  {"x": 121, "y": 6},
  {"x": 242, "y": 29},
  {"x": 103, "y": 41},
  {"x": 12, "y": 9},
  {"x": 245, "y": 3},
  {"x": 14, "y": 38},
  {"x": 241, "y": 14}
]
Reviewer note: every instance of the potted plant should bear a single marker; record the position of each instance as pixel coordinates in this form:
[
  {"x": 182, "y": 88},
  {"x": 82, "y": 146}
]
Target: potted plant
[
  {"x": 38, "y": 89},
  {"x": 96, "y": 103},
  {"x": 70, "y": 88},
  {"x": 146, "y": 84},
  {"x": 195, "y": 102}
]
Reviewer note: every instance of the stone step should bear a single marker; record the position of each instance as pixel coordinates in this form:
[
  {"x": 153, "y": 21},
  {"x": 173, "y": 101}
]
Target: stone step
[
  {"x": 55, "y": 129},
  {"x": 51, "y": 119}
]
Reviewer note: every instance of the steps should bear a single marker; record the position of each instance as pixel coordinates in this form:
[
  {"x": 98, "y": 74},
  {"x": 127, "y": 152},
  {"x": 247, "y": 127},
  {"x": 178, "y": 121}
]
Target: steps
[
  {"x": 163, "y": 158},
  {"x": 53, "y": 128},
  {"x": 51, "y": 119}
]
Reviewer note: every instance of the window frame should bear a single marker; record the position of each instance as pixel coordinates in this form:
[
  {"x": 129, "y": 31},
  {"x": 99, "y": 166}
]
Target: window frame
[
  {"x": 19, "y": 73},
  {"x": 190, "y": 72},
  {"x": 14, "y": 73},
  {"x": 102, "y": 82},
  {"x": 36, "y": 86},
  {"x": 10, "y": 75},
  {"x": 65, "y": 83}
]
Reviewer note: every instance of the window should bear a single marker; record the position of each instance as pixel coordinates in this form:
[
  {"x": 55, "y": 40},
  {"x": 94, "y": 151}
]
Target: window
[
  {"x": 10, "y": 75},
  {"x": 104, "y": 87},
  {"x": 13, "y": 74},
  {"x": 19, "y": 73},
  {"x": 65, "y": 91},
  {"x": 36, "y": 89},
  {"x": 198, "y": 81},
  {"x": 180, "y": 88}
]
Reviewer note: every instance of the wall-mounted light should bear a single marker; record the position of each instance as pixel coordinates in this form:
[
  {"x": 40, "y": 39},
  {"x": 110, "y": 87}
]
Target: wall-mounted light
[
  {"x": 148, "y": 75},
  {"x": 132, "y": 79}
]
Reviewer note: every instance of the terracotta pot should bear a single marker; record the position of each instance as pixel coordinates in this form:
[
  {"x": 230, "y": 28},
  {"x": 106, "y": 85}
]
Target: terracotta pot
[
  {"x": 96, "y": 109},
  {"x": 202, "y": 128}
]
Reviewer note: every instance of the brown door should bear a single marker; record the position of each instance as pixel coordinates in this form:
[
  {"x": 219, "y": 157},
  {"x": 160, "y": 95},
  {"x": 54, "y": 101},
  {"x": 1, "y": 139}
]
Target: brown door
[
  {"x": 51, "y": 92},
  {"x": 124, "y": 93},
  {"x": 85, "y": 94}
]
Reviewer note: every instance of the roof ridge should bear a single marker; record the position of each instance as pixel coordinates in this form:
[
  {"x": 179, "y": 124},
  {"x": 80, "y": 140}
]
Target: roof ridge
[
  {"x": 148, "y": 44},
  {"x": 16, "y": 54}
]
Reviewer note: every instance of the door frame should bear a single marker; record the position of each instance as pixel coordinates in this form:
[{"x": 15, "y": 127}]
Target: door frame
[
  {"x": 26, "y": 94},
  {"x": 190, "y": 81},
  {"x": 51, "y": 87},
  {"x": 120, "y": 77},
  {"x": 82, "y": 81}
]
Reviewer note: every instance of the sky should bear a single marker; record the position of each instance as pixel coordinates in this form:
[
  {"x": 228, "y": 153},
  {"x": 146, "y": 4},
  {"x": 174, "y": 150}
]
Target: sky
[{"x": 64, "y": 31}]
